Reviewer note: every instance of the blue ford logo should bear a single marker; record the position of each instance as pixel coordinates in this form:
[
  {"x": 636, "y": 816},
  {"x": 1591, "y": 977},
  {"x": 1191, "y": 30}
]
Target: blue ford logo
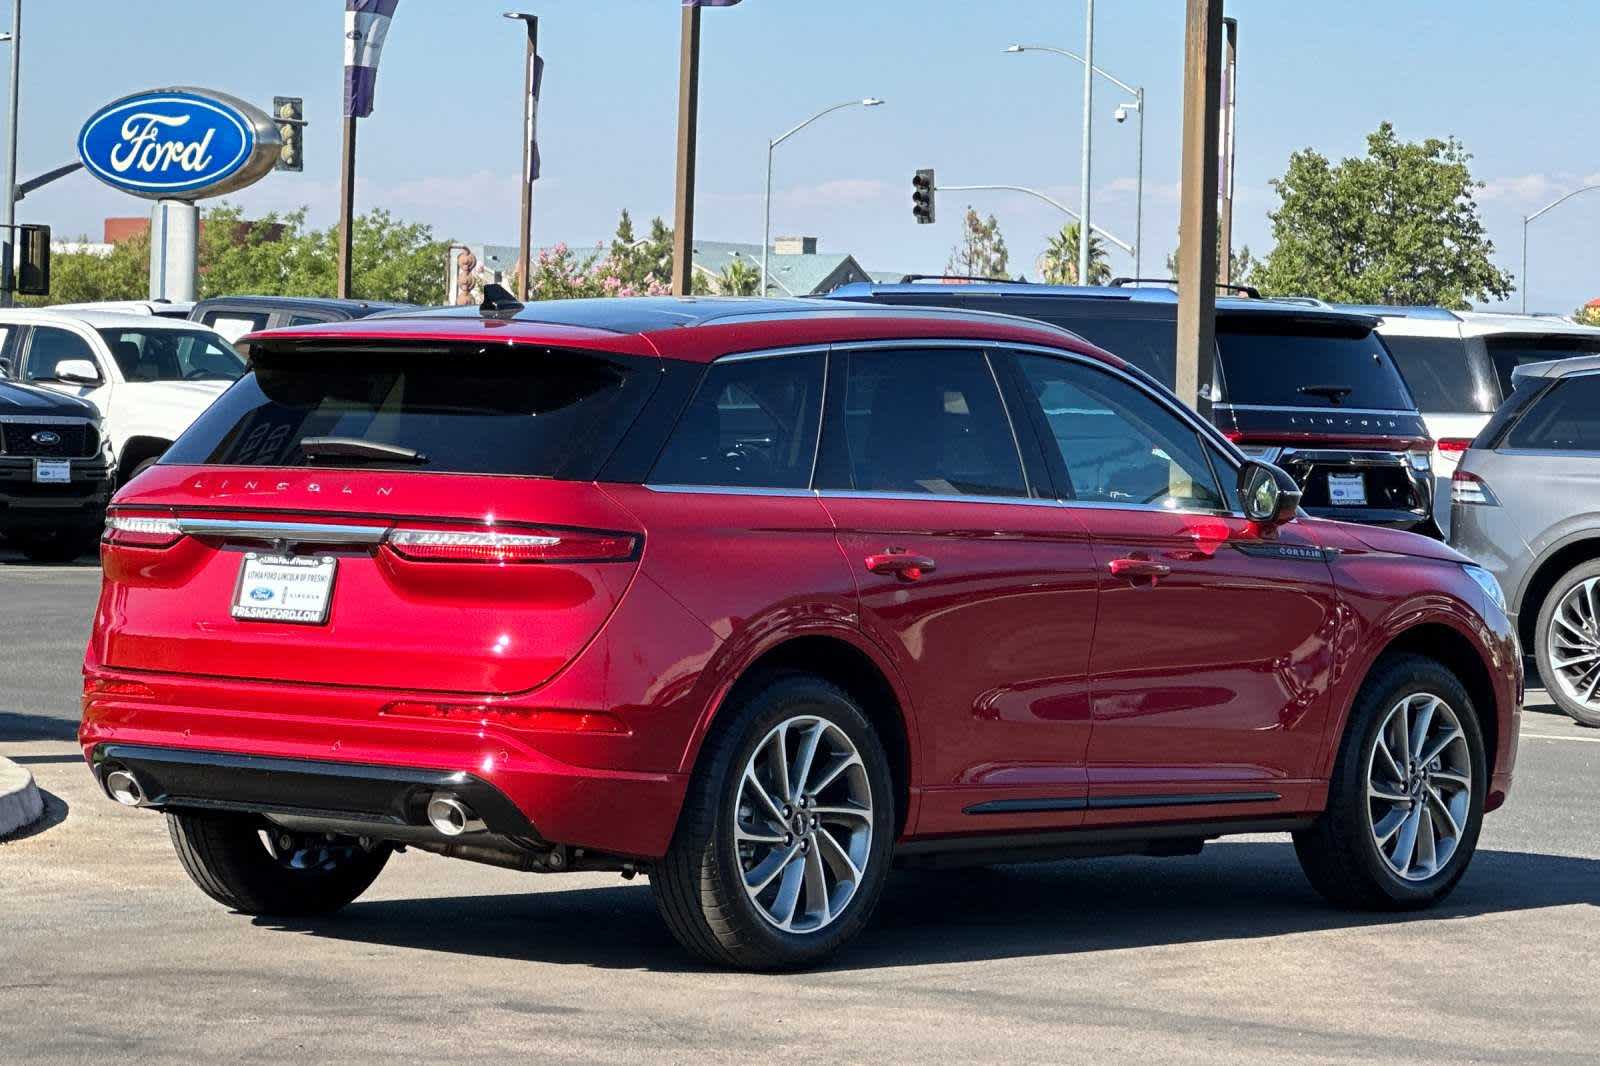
[
  {"x": 179, "y": 144},
  {"x": 47, "y": 438},
  {"x": 261, "y": 593}
]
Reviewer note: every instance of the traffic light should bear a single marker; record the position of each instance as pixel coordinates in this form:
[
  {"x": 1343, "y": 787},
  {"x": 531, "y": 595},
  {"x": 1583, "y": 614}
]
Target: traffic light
[
  {"x": 289, "y": 112},
  {"x": 922, "y": 196}
]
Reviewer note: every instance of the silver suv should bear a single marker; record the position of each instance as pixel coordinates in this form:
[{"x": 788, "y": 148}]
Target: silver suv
[{"x": 1525, "y": 503}]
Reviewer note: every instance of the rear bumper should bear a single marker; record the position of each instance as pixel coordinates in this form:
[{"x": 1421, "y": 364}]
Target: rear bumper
[{"x": 301, "y": 750}]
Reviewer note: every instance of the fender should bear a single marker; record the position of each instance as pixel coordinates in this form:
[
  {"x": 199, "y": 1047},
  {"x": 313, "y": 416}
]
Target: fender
[{"x": 1577, "y": 530}]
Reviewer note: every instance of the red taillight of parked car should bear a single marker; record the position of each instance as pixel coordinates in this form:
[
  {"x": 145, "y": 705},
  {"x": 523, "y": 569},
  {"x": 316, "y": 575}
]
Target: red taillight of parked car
[
  {"x": 535, "y": 718},
  {"x": 133, "y": 530},
  {"x": 503, "y": 545},
  {"x": 1454, "y": 445}
]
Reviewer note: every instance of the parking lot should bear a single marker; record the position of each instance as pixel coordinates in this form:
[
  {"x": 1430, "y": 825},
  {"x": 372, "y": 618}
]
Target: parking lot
[{"x": 107, "y": 951}]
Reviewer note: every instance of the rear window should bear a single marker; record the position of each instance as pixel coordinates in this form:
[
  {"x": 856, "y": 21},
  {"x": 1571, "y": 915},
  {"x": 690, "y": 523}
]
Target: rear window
[
  {"x": 1565, "y": 419},
  {"x": 1508, "y": 353},
  {"x": 532, "y": 412},
  {"x": 1265, "y": 363},
  {"x": 1440, "y": 372}
]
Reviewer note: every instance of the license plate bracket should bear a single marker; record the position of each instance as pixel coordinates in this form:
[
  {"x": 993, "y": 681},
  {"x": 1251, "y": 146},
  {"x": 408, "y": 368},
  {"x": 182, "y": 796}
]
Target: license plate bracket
[
  {"x": 285, "y": 588},
  {"x": 1347, "y": 490},
  {"x": 52, "y": 471}
]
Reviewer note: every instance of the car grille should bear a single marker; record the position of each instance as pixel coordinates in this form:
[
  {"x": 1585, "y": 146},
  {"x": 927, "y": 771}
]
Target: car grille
[{"x": 72, "y": 440}]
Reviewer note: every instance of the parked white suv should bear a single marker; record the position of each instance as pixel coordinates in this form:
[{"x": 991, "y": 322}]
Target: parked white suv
[
  {"x": 149, "y": 376},
  {"x": 1459, "y": 365}
]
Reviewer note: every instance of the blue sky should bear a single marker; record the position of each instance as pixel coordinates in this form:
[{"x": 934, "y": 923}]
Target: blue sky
[{"x": 442, "y": 146}]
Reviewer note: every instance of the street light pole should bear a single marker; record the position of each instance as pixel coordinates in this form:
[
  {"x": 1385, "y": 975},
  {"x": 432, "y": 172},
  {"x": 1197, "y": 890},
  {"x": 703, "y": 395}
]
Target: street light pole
[
  {"x": 766, "y": 232},
  {"x": 9, "y": 198},
  {"x": 1057, "y": 204},
  {"x": 1088, "y": 140},
  {"x": 1529, "y": 218},
  {"x": 529, "y": 86},
  {"x": 1137, "y": 105}
]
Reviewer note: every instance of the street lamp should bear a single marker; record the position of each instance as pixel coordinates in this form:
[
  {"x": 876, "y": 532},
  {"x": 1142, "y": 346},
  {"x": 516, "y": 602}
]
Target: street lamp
[
  {"x": 529, "y": 103},
  {"x": 1529, "y": 218},
  {"x": 1121, "y": 114},
  {"x": 766, "y": 233}
]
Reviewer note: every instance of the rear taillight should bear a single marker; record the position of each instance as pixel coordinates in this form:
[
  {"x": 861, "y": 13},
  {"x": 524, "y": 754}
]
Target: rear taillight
[
  {"x": 1469, "y": 488},
  {"x": 1455, "y": 445},
  {"x": 512, "y": 545},
  {"x": 1421, "y": 459},
  {"x": 142, "y": 531}
]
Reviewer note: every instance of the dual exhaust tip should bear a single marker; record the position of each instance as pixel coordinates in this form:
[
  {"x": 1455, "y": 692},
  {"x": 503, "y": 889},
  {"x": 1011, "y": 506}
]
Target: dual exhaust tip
[{"x": 447, "y": 814}]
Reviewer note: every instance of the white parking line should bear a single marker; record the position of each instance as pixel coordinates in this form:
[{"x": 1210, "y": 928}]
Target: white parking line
[{"x": 1551, "y": 736}]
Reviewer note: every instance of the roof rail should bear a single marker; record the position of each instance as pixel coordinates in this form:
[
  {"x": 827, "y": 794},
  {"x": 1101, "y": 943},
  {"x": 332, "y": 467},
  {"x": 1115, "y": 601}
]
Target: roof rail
[
  {"x": 968, "y": 279},
  {"x": 1250, "y": 291}
]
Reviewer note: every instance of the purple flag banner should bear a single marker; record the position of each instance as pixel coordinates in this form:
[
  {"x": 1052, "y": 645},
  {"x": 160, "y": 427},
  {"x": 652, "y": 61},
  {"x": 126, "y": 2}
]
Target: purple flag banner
[{"x": 366, "y": 24}]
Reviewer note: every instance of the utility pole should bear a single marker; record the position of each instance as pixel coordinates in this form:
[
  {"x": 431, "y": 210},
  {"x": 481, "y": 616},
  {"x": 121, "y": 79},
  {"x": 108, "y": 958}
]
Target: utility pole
[
  {"x": 1230, "y": 73},
  {"x": 1088, "y": 142},
  {"x": 1197, "y": 210},
  {"x": 9, "y": 198},
  {"x": 530, "y": 89},
  {"x": 347, "y": 206},
  {"x": 688, "y": 119}
]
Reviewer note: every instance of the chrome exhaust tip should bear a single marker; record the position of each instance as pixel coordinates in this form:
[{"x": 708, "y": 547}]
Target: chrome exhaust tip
[
  {"x": 123, "y": 787},
  {"x": 451, "y": 817}
]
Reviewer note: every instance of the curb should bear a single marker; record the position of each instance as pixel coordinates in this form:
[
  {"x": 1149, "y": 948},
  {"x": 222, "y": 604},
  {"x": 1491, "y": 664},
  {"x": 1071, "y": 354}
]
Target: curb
[{"x": 20, "y": 802}]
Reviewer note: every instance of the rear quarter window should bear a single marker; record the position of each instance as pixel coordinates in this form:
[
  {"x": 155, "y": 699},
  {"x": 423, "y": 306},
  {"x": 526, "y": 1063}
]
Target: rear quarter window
[
  {"x": 533, "y": 412},
  {"x": 1564, "y": 418}
]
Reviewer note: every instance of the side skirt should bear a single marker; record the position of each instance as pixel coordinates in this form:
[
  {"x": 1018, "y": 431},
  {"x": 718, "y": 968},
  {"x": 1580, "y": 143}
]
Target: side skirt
[{"x": 1157, "y": 840}]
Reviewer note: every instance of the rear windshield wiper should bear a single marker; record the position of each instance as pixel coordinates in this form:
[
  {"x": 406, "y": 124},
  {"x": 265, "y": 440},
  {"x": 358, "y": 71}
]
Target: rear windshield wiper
[
  {"x": 1334, "y": 394},
  {"x": 356, "y": 448}
]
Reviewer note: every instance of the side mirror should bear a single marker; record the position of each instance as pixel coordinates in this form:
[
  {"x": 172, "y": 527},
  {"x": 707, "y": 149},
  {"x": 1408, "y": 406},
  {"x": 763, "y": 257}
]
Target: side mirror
[
  {"x": 1268, "y": 495},
  {"x": 77, "y": 372}
]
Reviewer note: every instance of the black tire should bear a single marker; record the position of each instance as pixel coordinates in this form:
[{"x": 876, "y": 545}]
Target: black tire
[
  {"x": 698, "y": 885},
  {"x": 1338, "y": 853},
  {"x": 1579, "y": 712},
  {"x": 225, "y": 856}
]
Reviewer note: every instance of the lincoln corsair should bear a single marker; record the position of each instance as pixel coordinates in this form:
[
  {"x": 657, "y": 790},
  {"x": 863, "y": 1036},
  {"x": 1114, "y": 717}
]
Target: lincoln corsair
[{"x": 759, "y": 598}]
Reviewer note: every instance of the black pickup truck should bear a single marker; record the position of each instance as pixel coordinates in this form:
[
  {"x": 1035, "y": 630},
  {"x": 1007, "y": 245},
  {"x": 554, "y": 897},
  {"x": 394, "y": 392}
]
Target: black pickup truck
[{"x": 55, "y": 475}]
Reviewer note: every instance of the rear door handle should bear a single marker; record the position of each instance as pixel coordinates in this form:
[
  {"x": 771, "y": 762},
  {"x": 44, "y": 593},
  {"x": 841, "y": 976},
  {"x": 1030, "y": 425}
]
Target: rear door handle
[
  {"x": 1139, "y": 568},
  {"x": 908, "y": 567}
]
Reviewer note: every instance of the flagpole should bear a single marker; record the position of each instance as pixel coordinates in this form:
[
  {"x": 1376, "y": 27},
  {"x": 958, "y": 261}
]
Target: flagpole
[
  {"x": 347, "y": 190},
  {"x": 688, "y": 118}
]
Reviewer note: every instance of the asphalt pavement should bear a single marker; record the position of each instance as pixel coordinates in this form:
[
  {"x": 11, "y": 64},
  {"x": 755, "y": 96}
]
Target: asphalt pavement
[{"x": 107, "y": 953}]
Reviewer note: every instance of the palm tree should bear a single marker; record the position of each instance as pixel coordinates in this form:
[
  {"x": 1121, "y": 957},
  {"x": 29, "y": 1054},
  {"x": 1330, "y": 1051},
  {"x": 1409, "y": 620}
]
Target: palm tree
[
  {"x": 1059, "y": 264},
  {"x": 738, "y": 278}
]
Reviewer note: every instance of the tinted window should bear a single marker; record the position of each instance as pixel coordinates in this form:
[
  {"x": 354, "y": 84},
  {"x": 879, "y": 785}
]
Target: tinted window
[
  {"x": 173, "y": 355},
  {"x": 1566, "y": 418},
  {"x": 50, "y": 348},
  {"x": 928, "y": 421},
  {"x": 235, "y": 324},
  {"x": 752, "y": 424},
  {"x": 533, "y": 412},
  {"x": 1149, "y": 344},
  {"x": 1264, "y": 363},
  {"x": 1508, "y": 353},
  {"x": 1119, "y": 445},
  {"x": 1440, "y": 373}
]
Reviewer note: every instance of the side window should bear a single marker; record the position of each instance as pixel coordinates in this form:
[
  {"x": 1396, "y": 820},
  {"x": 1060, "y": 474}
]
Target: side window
[
  {"x": 9, "y": 337},
  {"x": 1117, "y": 444},
  {"x": 928, "y": 421},
  {"x": 752, "y": 424},
  {"x": 50, "y": 348},
  {"x": 235, "y": 324},
  {"x": 306, "y": 320},
  {"x": 1565, "y": 419}
]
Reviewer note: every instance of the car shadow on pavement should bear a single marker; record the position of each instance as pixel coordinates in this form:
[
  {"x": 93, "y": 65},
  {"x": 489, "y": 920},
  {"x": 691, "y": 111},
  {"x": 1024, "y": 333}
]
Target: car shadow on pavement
[
  {"x": 16, "y": 727},
  {"x": 1233, "y": 891}
]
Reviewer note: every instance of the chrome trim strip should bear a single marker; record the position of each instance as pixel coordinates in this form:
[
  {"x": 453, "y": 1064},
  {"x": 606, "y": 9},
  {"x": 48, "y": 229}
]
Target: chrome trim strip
[
  {"x": 1391, "y": 412},
  {"x": 50, "y": 420},
  {"x": 936, "y": 497},
  {"x": 772, "y": 353},
  {"x": 291, "y": 532},
  {"x": 731, "y": 490}
]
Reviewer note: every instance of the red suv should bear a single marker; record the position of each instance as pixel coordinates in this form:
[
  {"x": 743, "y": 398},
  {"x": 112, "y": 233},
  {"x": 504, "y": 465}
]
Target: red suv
[{"x": 760, "y": 597}]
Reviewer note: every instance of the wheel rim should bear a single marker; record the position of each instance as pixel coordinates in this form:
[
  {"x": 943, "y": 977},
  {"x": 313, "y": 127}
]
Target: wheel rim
[
  {"x": 1419, "y": 786},
  {"x": 803, "y": 824},
  {"x": 1574, "y": 644}
]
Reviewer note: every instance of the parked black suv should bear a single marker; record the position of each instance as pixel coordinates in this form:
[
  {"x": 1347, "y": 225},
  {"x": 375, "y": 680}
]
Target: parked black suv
[
  {"x": 55, "y": 476},
  {"x": 1305, "y": 386}
]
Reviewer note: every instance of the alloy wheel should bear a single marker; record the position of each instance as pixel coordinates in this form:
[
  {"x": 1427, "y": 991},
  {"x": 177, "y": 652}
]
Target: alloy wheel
[
  {"x": 1419, "y": 786},
  {"x": 1574, "y": 643},
  {"x": 803, "y": 824}
]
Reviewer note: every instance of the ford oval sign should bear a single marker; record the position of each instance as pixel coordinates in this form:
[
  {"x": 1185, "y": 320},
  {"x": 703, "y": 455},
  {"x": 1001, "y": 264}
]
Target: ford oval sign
[{"x": 179, "y": 144}]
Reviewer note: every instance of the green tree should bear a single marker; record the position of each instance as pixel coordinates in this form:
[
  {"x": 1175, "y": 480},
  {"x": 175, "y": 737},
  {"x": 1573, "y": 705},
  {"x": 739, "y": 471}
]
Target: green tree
[
  {"x": 641, "y": 265},
  {"x": 83, "y": 276},
  {"x": 1586, "y": 316},
  {"x": 1059, "y": 264},
  {"x": 981, "y": 253},
  {"x": 1398, "y": 225},
  {"x": 1243, "y": 266},
  {"x": 738, "y": 278}
]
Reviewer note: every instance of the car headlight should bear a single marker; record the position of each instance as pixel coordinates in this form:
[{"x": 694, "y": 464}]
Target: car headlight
[{"x": 1489, "y": 584}]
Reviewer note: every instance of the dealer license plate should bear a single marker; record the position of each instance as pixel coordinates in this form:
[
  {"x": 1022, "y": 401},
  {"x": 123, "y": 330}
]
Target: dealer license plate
[
  {"x": 285, "y": 588},
  {"x": 46, "y": 472},
  {"x": 1347, "y": 490}
]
